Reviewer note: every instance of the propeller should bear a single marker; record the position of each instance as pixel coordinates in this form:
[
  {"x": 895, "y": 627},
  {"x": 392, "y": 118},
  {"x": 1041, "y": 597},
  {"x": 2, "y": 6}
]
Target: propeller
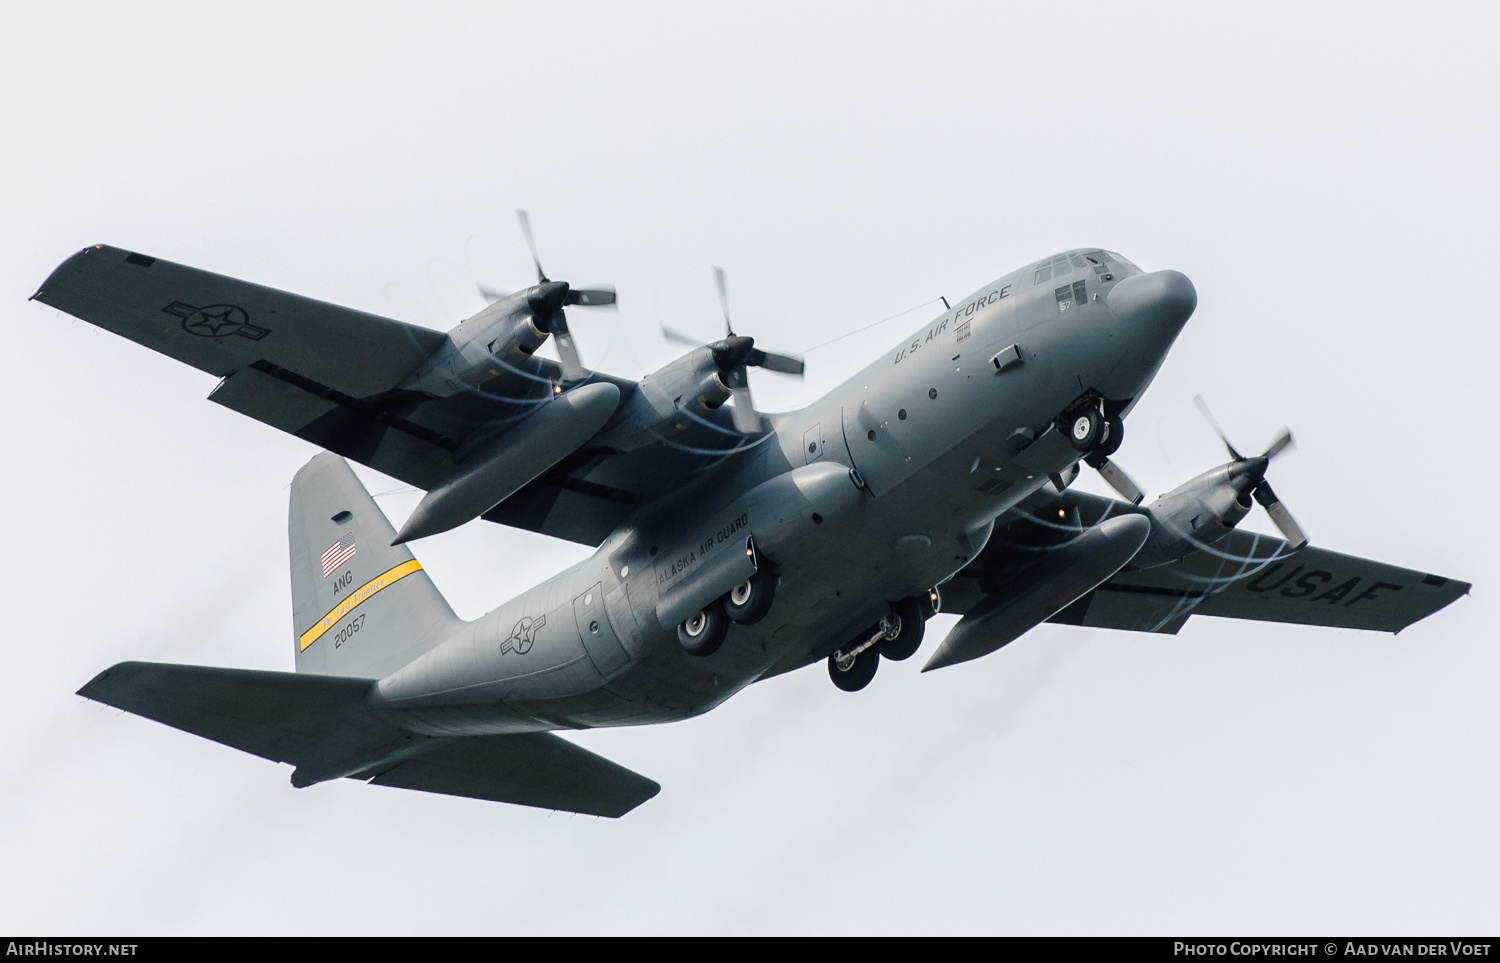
[
  {"x": 547, "y": 299},
  {"x": 1116, "y": 478},
  {"x": 733, "y": 355},
  {"x": 1253, "y": 473}
]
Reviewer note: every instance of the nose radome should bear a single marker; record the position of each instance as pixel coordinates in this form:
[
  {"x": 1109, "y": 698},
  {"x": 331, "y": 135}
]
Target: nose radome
[{"x": 1164, "y": 298}]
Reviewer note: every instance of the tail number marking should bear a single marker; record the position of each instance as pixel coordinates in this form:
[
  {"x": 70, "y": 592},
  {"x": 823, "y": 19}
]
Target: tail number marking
[{"x": 347, "y": 632}]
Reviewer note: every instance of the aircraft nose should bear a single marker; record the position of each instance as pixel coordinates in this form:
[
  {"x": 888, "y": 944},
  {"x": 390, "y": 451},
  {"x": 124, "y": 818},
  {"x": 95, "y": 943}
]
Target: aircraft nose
[
  {"x": 1161, "y": 300},
  {"x": 1150, "y": 310}
]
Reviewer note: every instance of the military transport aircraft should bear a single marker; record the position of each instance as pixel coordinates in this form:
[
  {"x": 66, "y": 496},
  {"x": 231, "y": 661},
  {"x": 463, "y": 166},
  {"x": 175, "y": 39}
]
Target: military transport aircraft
[{"x": 731, "y": 545}]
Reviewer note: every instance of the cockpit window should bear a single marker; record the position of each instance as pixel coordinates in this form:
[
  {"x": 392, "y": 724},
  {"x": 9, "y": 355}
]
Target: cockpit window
[
  {"x": 1064, "y": 264},
  {"x": 1070, "y": 295}
]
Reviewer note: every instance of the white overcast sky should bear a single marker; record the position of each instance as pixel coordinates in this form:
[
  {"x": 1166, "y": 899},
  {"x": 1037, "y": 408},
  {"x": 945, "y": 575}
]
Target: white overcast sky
[{"x": 1323, "y": 173}]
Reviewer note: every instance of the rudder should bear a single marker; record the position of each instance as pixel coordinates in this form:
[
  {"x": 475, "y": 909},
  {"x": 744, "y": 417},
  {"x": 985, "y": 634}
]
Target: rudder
[{"x": 361, "y": 607}]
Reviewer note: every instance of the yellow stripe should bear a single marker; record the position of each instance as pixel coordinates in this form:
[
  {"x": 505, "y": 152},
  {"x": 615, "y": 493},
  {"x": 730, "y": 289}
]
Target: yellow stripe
[{"x": 359, "y": 596}]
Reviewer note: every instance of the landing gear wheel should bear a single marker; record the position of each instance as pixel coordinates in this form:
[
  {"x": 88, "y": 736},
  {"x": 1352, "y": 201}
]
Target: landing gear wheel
[
  {"x": 857, "y": 672},
  {"x": 1114, "y": 437},
  {"x": 703, "y": 632},
  {"x": 1084, "y": 427},
  {"x": 909, "y": 613},
  {"x": 749, "y": 601}
]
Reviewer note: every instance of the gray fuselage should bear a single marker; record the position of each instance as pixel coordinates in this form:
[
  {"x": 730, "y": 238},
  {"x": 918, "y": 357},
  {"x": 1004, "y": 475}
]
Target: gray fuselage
[{"x": 945, "y": 433}]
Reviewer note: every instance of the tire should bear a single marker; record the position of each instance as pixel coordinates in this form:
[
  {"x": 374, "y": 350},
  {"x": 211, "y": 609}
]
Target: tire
[
  {"x": 1114, "y": 437},
  {"x": 749, "y": 601},
  {"x": 703, "y": 632},
  {"x": 909, "y": 639},
  {"x": 859, "y": 674},
  {"x": 1084, "y": 428}
]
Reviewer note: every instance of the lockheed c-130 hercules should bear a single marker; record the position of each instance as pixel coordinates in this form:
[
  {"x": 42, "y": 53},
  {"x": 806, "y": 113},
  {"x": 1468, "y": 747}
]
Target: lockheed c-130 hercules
[{"x": 730, "y": 545}]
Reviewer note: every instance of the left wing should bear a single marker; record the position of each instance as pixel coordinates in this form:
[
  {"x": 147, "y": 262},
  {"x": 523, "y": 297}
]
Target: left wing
[
  {"x": 1241, "y": 576},
  {"x": 332, "y": 375}
]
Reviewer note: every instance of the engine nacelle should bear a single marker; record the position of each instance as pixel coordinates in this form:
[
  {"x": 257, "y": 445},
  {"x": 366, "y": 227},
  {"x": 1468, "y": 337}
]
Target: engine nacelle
[
  {"x": 492, "y": 344},
  {"x": 1198, "y": 513},
  {"x": 677, "y": 403}
]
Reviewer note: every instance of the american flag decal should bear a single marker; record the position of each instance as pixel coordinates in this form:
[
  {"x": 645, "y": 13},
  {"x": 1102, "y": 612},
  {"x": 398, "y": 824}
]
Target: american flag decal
[{"x": 335, "y": 555}]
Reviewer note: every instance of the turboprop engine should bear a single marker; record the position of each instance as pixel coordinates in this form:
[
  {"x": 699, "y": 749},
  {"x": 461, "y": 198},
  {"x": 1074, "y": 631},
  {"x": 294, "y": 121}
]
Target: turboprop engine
[
  {"x": 494, "y": 342},
  {"x": 1209, "y": 507},
  {"x": 499, "y": 339},
  {"x": 678, "y": 403},
  {"x": 675, "y": 404}
]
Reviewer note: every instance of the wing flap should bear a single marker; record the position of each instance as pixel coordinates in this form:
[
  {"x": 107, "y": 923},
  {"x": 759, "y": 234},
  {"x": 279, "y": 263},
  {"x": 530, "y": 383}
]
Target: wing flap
[{"x": 531, "y": 769}]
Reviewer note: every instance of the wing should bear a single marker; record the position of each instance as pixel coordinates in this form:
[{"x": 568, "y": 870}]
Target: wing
[
  {"x": 331, "y": 376},
  {"x": 533, "y": 769},
  {"x": 221, "y": 325},
  {"x": 1241, "y": 576}
]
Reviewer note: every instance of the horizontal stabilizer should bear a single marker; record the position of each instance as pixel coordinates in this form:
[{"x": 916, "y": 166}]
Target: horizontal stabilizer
[
  {"x": 322, "y": 725},
  {"x": 279, "y": 716},
  {"x": 532, "y": 769}
]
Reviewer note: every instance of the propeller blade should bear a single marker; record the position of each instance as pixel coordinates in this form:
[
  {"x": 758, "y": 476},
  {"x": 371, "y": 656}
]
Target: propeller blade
[
  {"x": 1284, "y": 522},
  {"x": 572, "y": 364},
  {"x": 679, "y": 338},
  {"x": 525, "y": 220},
  {"x": 1118, "y": 480},
  {"x": 784, "y": 363},
  {"x": 1283, "y": 443},
  {"x": 723, "y": 298},
  {"x": 591, "y": 297},
  {"x": 490, "y": 294},
  {"x": 1214, "y": 424},
  {"x": 745, "y": 418}
]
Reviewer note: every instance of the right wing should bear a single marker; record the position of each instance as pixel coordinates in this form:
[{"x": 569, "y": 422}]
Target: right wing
[
  {"x": 1259, "y": 577},
  {"x": 1241, "y": 576}
]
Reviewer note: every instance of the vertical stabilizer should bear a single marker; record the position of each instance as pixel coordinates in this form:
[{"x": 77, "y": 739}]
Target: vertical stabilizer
[{"x": 361, "y": 607}]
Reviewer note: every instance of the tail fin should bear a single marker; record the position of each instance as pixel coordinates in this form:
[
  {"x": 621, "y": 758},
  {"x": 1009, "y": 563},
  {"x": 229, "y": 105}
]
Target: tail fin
[{"x": 361, "y": 607}]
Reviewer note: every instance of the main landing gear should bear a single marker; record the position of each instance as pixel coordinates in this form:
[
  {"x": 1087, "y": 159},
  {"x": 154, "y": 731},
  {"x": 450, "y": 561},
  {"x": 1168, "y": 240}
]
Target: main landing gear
[
  {"x": 747, "y": 603},
  {"x": 896, "y": 637}
]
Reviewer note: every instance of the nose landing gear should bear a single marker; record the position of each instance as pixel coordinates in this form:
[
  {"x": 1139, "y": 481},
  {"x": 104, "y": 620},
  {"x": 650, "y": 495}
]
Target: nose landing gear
[
  {"x": 1098, "y": 437},
  {"x": 1086, "y": 428}
]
